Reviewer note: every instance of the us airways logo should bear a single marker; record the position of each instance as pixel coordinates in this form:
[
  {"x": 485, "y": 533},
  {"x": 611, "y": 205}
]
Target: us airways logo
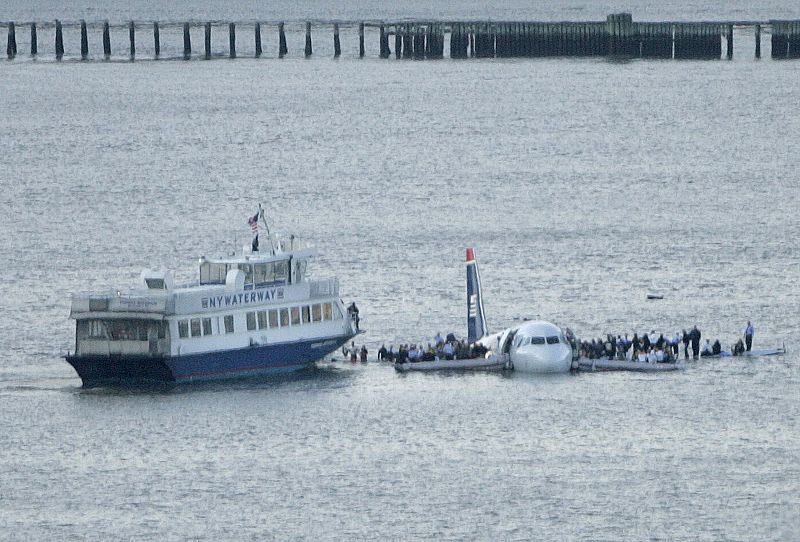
[
  {"x": 473, "y": 306},
  {"x": 244, "y": 298}
]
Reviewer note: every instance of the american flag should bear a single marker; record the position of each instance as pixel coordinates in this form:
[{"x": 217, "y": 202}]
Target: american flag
[{"x": 253, "y": 221}]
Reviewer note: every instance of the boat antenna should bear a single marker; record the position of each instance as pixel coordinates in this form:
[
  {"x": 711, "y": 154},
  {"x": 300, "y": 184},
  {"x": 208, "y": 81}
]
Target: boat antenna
[{"x": 266, "y": 227}]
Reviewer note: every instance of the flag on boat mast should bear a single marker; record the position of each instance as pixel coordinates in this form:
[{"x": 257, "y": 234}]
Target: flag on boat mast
[{"x": 253, "y": 222}]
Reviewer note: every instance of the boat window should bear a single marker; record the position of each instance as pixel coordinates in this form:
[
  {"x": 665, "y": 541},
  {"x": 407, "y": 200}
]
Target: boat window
[
  {"x": 98, "y": 305},
  {"x": 183, "y": 328},
  {"x": 284, "y": 317},
  {"x": 552, "y": 339},
  {"x": 260, "y": 273},
  {"x": 295, "y": 316},
  {"x": 195, "y": 327},
  {"x": 306, "y": 314},
  {"x": 97, "y": 329},
  {"x": 162, "y": 330},
  {"x": 518, "y": 342},
  {"x": 327, "y": 312},
  {"x": 316, "y": 313},
  {"x": 299, "y": 270},
  {"x": 213, "y": 273},
  {"x": 228, "y": 323},
  {"x": 248, "y": 273},
  {"x": 251, "y": 321},
  {"x": 273, "y": 318},
  {"x": 537, "y": 340},
  {"x": 281, "y": 271},
  {"x": 262, "y": 319},
  {"x": 206, "y": 326}
]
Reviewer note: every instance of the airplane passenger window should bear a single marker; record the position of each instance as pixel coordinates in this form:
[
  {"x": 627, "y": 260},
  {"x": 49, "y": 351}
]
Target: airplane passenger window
[
  {"x": 552, "y": 340},
  {"x": 537, "y": 340}
]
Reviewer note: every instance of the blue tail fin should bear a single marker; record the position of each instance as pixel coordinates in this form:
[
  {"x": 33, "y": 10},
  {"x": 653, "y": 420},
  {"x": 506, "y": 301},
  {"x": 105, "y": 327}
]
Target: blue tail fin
[{"x": 476, "y": 321}]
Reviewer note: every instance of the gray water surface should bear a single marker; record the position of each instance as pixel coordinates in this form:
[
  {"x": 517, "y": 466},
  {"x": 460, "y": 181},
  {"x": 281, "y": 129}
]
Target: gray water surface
[{"x": 582, "y": 184}]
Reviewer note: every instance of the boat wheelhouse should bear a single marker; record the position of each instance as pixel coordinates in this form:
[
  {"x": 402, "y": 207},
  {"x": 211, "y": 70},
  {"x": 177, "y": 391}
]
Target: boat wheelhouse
[{"x": 253, "y": 314}]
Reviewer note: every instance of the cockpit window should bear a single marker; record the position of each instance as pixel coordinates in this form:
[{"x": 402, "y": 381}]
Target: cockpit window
[
  {"x": 537, "y": 340},
  {"x": 552, "y": 340}
]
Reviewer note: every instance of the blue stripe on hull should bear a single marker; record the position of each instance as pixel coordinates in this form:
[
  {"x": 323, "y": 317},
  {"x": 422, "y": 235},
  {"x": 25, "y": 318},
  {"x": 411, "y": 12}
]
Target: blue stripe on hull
[{"x": 245, "y": 362}]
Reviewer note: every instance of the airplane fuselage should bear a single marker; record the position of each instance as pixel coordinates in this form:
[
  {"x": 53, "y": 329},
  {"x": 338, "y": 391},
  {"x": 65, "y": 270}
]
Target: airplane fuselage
[{"x": 533, "y": 347}]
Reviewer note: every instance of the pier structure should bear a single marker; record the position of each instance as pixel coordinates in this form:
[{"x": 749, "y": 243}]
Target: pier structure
[{"x": 618, "y": 36}]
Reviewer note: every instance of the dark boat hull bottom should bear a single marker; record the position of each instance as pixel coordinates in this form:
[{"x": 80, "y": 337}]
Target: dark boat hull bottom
[{"x": 250, "y": 362}]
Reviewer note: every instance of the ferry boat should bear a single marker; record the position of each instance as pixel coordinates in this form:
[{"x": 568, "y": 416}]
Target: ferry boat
[{"x": 254, "y": 314}]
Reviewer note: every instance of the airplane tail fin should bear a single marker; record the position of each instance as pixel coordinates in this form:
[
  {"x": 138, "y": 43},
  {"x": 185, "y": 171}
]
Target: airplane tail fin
[{"x": 476, "y": 321}]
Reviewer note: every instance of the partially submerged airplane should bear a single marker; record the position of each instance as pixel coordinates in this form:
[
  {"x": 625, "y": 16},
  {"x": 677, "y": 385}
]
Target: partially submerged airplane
[{"x": 532, "y": 347}]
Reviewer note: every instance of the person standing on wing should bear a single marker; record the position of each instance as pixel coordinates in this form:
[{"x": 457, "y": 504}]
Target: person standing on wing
[{"x": 749, "y": 331}]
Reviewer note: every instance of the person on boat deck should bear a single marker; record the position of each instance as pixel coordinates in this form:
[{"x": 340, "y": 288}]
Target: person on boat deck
[
  {"x": 651, "y": 356},
  {"x": 429, "y": 354},
  {"x": 676, "y": 342},
  {"x": 707, "y": 349},
  {"x": 642, "y": 356},
  {"x": 438, "y": 340},
  {"x": 352, "y": 310},
  {"x": 738, "y": 348},
  {"x": 749, "y": 331},
  {"x": 382, "y": 353},
  {"x": 716, "y": 348},
  {"x": 659, "y": 355},
  {"x": 364, "y": 353},
  {"x": 447, "y": 350},
  {"x": 451, "y": 338}
]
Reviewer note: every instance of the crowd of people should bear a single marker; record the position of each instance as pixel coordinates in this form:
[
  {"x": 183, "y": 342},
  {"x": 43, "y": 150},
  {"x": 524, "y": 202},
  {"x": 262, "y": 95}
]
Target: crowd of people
[
  {"x": 647, "y": 348},
  {"x": 658, "y": 349},
  {"x": 443, "y": 348}
]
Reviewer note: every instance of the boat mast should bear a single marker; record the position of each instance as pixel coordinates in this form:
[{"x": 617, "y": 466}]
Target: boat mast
[{"x": 266, "y": 227}]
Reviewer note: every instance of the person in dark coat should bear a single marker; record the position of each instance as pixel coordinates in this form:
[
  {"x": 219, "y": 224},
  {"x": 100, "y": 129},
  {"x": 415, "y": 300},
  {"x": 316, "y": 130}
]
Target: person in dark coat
[
  {"x": 695, "y": 335},
  {"x": 686, "y": 340}
]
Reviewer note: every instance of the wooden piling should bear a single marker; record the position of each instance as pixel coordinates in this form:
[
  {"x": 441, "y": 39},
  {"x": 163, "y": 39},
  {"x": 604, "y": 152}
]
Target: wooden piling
[
  {"x": 207, "y": 40},
  {"x": 308, "y": 50},
  {"x": 758, "y": 40},
  {"x": 232, "y": 40},
  {"x": 84, "y": 41},
  {"x": 106, "y": 40},
  {"x": 132, "y": 37},
  {"x": 398, "y": 42},
  {"x": 11, "y": 48},
  {"x": 34, "y": 41},
  {"x": 187, "y": 41},
  {"x": 729, "y": 51},
  {"x": 282, "y": 49},
  {"x": 472, "y": 44},
  {"x": 337, "y": 46},
  {"x": 384, "y": 43},
  {"x": 258, "y": 40},
  {"x": 360, "y": 40},
  {"x": 794, "y": 40},
  {"x": 156, "y": 39},
  {"x": 59, "y": 41},
  {"x": 408, "y": 42}
]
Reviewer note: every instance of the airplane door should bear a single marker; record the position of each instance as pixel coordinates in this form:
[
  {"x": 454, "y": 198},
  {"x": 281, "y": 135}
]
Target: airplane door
[{"x": 507, "y": 342}]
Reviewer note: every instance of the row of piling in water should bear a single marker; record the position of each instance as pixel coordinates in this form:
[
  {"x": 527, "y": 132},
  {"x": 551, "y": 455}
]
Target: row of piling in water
[{"x": 619, "y": 36}]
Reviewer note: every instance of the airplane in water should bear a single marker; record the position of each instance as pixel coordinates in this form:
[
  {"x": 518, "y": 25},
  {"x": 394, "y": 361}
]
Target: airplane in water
[{"x": 531, "y": 347}]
